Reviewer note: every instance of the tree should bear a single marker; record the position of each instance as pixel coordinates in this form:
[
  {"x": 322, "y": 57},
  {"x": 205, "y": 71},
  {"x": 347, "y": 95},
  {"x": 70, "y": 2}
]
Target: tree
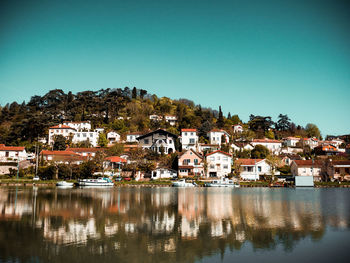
[
  {"x": 134, "y": 93},
  {"x": 283, "y": 123},
  {"x": 260, "y": 152},
  {"x": 274, "y": 162},
  {"x": 220, "y": 123},
  {"x": 59, "y": 143},
  {"x": 102, "y": 140},
  {"x": 270, "y": 135},
  {"x": 312, "y": 130}
]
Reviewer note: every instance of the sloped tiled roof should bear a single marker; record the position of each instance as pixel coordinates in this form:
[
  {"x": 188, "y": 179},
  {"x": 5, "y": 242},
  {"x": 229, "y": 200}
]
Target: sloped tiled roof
[
  {"x": 248, "y": 161},
  {"x": 11, "y": 148},
  {"x": 218, "y": 151}
]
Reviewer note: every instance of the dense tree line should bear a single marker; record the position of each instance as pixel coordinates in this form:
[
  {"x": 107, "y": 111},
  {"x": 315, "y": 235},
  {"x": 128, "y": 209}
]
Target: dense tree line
[{"x": 127, "y": 110}]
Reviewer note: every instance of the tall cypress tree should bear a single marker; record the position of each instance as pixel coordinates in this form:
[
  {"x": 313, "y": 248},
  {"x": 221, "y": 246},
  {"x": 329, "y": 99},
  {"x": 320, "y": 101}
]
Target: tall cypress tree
[{"x": 220, "y": 122}]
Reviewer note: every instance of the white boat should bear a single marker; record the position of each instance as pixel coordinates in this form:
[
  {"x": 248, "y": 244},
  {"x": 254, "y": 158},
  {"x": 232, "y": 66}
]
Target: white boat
[
  {"x": 183, "y": 183},
  {"x": 64, "y": 184},
  {"x": 101, "y": 181},
  {"x": 223, "y": 182}
]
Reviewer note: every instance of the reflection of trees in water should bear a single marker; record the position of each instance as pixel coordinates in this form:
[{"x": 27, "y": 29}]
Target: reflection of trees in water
[{"x": 157, "y": 224}]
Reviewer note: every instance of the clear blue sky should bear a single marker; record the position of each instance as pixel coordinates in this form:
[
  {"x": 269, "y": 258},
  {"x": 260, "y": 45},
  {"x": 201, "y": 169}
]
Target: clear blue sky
[{"x": 259, "y": 57}]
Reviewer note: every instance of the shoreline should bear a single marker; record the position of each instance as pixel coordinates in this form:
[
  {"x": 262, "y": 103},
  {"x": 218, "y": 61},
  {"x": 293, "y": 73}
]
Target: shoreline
[{"x": 154, "y": 185}]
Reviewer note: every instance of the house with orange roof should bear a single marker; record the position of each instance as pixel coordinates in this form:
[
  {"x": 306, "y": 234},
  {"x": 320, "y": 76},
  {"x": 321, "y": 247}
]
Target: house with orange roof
[
  {"x": 88, "y": 152},
  {"x": 252, "y": 169},
  {"x": 114, "y": 162},
  {"x": 339, "y": 169},
  {"x": 217, "y": 135},
  {"x": 189, "y": 139},
  {"x": 218, "y": 164},
  {"x": 12, "y": 153},
  {"x": 60, "y": 129},
  {"x": 191, "y": 163},
  {"x": 291, "y": 141}
]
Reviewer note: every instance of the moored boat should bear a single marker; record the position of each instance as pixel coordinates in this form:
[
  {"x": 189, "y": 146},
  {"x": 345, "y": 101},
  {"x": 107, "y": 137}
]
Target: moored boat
[
  {"x": 64, "y": 184},
  {"x": 183, "y": 183},
  {"x": 223, "y": 182},
  {"x": 101, "y": 181}
]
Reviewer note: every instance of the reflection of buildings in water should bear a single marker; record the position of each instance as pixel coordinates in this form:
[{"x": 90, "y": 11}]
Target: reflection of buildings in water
[
  {"x": 190, "y": 203},
  {"x": 219, "y": 204},
  {"x": 73, "y": 233},
  {"x": 162, "y": 197},
  {"x": 189, "y": 229}
]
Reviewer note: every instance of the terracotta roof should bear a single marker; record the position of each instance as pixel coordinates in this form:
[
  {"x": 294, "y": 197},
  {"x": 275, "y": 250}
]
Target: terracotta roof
[
  {"x": 185, "y": 166},
  {"x": 198, "y": 154},
  {"x": 11, "y": 148},
  {"x": 266, "y": 141},
  {"x": 188, "y": 130},
  {"x": 248, "y": 161},
  {"x": 66, "y": 153},
  {"x": 218, "y": 151},
  {"x": 308, "y": 163},
  {"x": 341, "y": 162},
  {"x": 80, "y": 150},
  {"x": 60, "y": 126},
  {"x": 115, "y": 159}
]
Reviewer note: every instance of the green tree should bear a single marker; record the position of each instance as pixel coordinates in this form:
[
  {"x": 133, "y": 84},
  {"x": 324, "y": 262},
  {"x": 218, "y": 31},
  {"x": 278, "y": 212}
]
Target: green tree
[
  {"x": 59, "y": 143},
  {"x": 312, "y": 130},
  {"x": 102, "y": 140},
  {"x": 260, "y": 152},
  {"x": 283, "y": 123},
  {"x": 269, "y": 134},
  {"x": 220, "y": 123}
]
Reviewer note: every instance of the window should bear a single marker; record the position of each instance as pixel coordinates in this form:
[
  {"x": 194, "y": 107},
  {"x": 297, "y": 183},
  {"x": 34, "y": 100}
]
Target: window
[
  {"x": 212, "y": 158},
  {"x": 186, "y": 161},
  {"x": 192, "y": 141},
  {"x": 218, "y": 158},
  {"x": 185, "y": 133},
  {"x": 225, "y": 158},
  {"x": 84, "y": 134},
  {"x": 170, "y": 141},
  {"x": 78, "y": 134},
  {"x": 191, "y": 133},
  {"x": 195, "y": 161},
  {"x": 146, "y": 141},
  {"x": 225, "y": 166},
  {"x": 212, "y": 166},
  {"x": 91, "y": 135},
  {"x": 259, "y": 168},
  {"x": 337, "y": 170},
  {"x": 347, "y": 170}
]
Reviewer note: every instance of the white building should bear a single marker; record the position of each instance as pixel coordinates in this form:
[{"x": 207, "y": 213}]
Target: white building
[
  {"x": 12, "y": 153},
  {"x": 252, "y": 169},
  {"x": 274, "y": 146},
  {"x": 160, "y": 173},
  {"x": 218, "y": 164},
  {"x": 171, "y": 119},
  {"x": 189, "y": 139},
  {"x": 155, "y": 117},
  {"x": 237, "y": 128},
  {"x": 79, "y": 125},
  {"x": 238, "y": 146},
  {"x": 291, "y": 141},
  {"x": 77, "y": 134},
  {"x": 113, "y": 137},
  {"x": 131, "y": 137},
  {"x": 60, "y": 129},
  {"x": 312, "y": 142},
  {"x": 216, "y": 135},
  {"x": 307, "y": 168},
  {"x": 158, "y": 140}
]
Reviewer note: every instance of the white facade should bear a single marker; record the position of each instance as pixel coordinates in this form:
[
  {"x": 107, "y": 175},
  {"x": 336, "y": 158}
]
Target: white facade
[
  {"x": 81, "y": 125},
  {"x": 252, "y": 169},
  {"x": 78, "y": 135},
  {"x": 218, "y": 164},
  {"x": 274, "y": 146},
  {"x": 171, "y": 119},
  {"x": 12, "y": 153},
  {"x": 158, "y": 140},
  {"x": 189, "y": 139},
  {"x": 160, "y": 173},
  {"x": 60, "y": 129},
  {"x": 237, "y": 128},
  {"x": 291, "y": 141},
  {"x": 131, "y": 137},
  {"x": 155, "y": 117},
  {"x": 306, "y": 168},
  {"x": 215, "y": 136},
  {"x": 241, "y": 147},
  {"x": 113, "y": 137}
]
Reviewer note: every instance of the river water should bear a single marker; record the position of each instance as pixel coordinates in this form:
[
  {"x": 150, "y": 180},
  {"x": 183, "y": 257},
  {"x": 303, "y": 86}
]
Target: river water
[{"x": 174, "y": 225}]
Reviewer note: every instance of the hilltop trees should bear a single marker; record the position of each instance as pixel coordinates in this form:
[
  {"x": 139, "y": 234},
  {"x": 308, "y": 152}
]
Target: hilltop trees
[{"x": 312, "y": 130}]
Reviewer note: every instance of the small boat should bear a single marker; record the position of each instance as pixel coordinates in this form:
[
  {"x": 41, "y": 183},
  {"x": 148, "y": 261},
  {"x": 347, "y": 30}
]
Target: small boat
[
  {"x": 101, "y": 181},
  {"x": 64, "y": 184},
  {"x": 223, "y": 182},
  {"x": 183, "y": 183}
]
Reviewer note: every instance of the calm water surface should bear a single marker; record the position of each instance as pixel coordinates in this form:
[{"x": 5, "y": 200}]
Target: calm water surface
[{"x": 174, "y": 225}]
